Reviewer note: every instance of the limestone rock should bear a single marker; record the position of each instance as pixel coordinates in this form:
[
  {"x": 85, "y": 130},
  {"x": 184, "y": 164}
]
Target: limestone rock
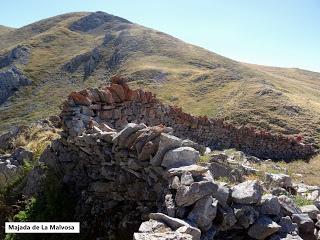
[
  {"x": 227, "y": 218},
  {"x": 186, "y": 179},
  {"x": 270, "y": 205},
  {"x": 175, "y": 183},
  {"x": 167, "y": 142},
  {"x": 22, "y": 155},
  {"x": 223, "y": 195},
  {"x": 248, "y": 192},
  {"x": 34, "y": 182},
  {"x": 246, "y": 215},
  {"x": 311, "y": 210},
  {"x": 287, "y": 226},
  {"x": 263, "y": 228},
  {"x": 187, "y": 195},
  {"x": 194, "y": 169},
  {"x": 305, "y": 223},
  {"x": 169, "y": 205},
  {"x": 288, "y": 206},
  {"x": 175, "y": 223},
  {"x": 153, "y": 226},
  {"x": 121, "y": 137},
  {"x": 203, "y": 213},
  {"x": 182, "y": 156},
  {"x": 278, "y": 180}
]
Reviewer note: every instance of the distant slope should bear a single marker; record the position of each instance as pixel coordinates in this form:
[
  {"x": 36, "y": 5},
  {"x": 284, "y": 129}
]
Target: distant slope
[
  {"x": 4, "y": 29},
  {"x": 76, "y": 50}
]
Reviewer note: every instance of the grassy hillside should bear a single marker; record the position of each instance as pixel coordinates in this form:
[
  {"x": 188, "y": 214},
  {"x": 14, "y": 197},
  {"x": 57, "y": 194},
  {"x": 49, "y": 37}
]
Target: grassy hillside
[
  {"x": 62, "y": 58},
  {"x": 4, "y": 29}
]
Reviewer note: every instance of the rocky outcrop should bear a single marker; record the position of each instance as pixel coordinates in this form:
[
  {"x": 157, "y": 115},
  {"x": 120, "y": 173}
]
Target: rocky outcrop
[
  {"x": 10, "y": 81},
  {"x": 19, "y": 54},
  {"x": 89, "y": 60},
  {"x": 117, "y": 105}
]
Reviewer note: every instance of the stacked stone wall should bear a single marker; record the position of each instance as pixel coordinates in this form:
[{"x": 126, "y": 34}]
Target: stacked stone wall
[{"x": 118, "y": 105}]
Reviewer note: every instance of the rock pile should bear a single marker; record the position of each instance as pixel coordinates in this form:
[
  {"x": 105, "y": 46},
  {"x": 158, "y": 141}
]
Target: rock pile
[
  {"x": 118, "y": 105},
  {"x": 133, "y": 178},
  {"x": 144, "y": 183}
]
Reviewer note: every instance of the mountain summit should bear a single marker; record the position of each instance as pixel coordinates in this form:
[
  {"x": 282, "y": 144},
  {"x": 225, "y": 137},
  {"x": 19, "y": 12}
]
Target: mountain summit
[{"x": 42, "y": 62}]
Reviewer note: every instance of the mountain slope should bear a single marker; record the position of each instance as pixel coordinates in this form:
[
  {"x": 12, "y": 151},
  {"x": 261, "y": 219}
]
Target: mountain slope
[
  {"x": 4, "y": 29},
  {"x": 76, "y": 50}
]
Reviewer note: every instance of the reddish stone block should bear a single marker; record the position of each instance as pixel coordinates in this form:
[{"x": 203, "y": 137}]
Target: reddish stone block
[
  {"x": 114, "y": 95},
  {"x": 135, "y": 95},
  {"x": 118, "y": 89},
  {"x": 107, "y": 96},
  {"x": 80, "y": 99}
]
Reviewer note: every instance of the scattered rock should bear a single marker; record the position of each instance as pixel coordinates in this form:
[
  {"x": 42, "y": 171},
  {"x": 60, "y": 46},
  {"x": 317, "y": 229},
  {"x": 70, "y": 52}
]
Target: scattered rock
[
  {"x": 182, "y": 156},
  {"x": 226, "y": 218},
  {"x": 278, "y": 180},
  {"x": 186, "y": 179},
  {"x": 167, "y": 142},
  {"x": 175, "y": 223},
  {"x": 263, "y": 228},
  {"x": 288, "y": 206},
  {"x": 195, "y": 170},
  {"x": 311, "y": 210},
  {"x": 305, "y": 223},
  {"x": 187, "y": 195},
  {"x": 203, "y": 213},
  {"x": 248, "y": 192},
  {"x": 270, "y": 205},
  {"x": 287, "y": 226},
  {"x": 246, "y": 215},
  {"x": 223, "y": 195}
]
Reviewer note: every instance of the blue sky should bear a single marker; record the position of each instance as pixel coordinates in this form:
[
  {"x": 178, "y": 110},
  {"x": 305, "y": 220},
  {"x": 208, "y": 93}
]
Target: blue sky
[{"x": 282, "y": 33}]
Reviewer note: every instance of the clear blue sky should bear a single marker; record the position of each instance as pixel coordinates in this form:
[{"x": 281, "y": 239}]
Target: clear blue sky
[{"x": 271, "y": 32}]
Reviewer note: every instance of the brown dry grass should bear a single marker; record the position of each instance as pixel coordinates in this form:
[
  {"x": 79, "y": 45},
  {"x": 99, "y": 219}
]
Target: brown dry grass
[{"x": 307, "y": 172}]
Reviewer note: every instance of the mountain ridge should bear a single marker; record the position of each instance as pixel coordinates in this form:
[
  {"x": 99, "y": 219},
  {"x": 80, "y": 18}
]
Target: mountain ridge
[{"x": 62, "y": 58}]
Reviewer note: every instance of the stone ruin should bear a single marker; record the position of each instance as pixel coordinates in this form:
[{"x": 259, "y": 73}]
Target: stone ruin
[
  {"x": 118, "y": 105},
  {"x": 133, "y": 179}
]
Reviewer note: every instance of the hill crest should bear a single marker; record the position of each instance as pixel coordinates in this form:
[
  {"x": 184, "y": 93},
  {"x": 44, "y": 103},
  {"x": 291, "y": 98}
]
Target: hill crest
[{"x": 78, "y": 50}]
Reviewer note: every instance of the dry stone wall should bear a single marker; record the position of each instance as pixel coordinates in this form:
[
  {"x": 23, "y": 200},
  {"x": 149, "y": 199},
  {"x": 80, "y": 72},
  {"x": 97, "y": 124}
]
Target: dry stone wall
[
  {"x": 143, "y": 183},
  {"x": 118, "y": 105}
]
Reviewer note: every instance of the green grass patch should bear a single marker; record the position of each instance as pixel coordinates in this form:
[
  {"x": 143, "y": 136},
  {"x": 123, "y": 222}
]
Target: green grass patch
[
  {"x": 55, "y": 204},
  {"x": 302, "y": 201}
]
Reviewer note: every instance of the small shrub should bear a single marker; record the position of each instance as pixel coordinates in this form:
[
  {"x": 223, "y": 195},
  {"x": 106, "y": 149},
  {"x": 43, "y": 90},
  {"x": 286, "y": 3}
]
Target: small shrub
[
  {"x": 54, "y": 205},
  {"x": 204, "y": 158},
  {"x": 302, "y": 201}
]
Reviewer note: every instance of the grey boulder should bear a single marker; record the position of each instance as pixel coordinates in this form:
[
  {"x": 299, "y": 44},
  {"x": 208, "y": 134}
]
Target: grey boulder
[
  {"x": 287, "y": 226},
  {"x": 167, "y": 142},
  {"x": 305, "y": 223},
  {"x": 311, "y": 210},
  {"x": 288, "y": 206},
  {"x": 203, "y": 213},
  {"x": 182, "y": 156},
  {"x": 278, "y": 180},
  {"x": 270, "y": 205},
  {"x": 188, "y": 195},
  {"x": 263, "y": 228},
  {"x": 248, "y": 192},
  {"x": 176, "y": 223}
]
